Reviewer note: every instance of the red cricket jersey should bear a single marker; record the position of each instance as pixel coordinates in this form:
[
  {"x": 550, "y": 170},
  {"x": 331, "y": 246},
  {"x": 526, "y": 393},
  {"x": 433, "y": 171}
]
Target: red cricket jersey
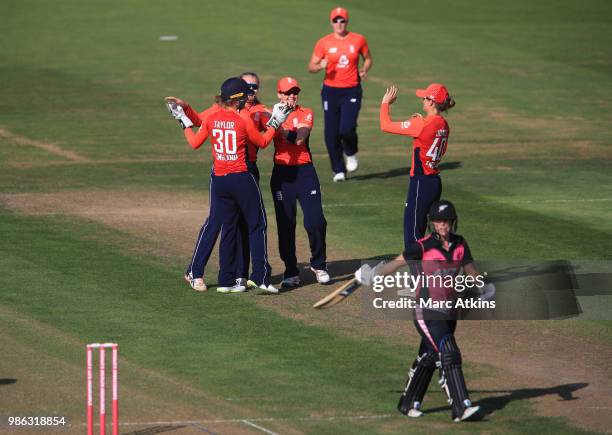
[
  {"x": 430, "y": 139},
  {"x": 259, "y": 114},
  {"x": 342, "y": 58},
  {"x": 199, "y": 118},
  {"x": 230, "y": 134},
  {"x": 287, "y": 153}
]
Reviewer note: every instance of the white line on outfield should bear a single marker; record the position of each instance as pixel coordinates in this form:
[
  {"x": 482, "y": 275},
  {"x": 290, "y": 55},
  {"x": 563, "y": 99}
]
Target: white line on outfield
[
  {"x": 259, "y": 420},
  {"x": 263, "y": 429}
]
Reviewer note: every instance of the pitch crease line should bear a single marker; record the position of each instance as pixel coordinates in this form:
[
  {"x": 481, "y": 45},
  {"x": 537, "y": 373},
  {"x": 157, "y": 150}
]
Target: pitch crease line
[
  {"x": 263, "y": 429},
  {"x": 258, "y": 419}
]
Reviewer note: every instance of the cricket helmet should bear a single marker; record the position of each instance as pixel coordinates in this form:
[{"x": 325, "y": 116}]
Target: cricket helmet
[{"x": 443, "y": 211}]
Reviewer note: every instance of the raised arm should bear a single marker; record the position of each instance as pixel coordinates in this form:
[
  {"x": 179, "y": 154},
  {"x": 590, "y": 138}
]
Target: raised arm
[
  {"x": 196, "y": 139},
  {"x": 191, "y": 114},
  {"x": 411, "y": 127}
]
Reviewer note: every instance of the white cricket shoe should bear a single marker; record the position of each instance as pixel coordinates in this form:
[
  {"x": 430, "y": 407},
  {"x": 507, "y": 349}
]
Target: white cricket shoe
[
  {"x": 415, "y": 413},
  {"x": 290, "y": 282},
  {"x": 352, "y": 163},
  {"x": 339, "y": 177},
  {"x": 468, "y": 413},
  {"x": 237, "y": 288},
  {"x": 196, "y": 283},
  {"x": 269, "y": 288},
  {"x": 322, "y": 275}
]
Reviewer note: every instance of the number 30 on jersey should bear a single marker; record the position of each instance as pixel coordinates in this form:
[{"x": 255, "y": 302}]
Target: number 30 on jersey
[{"x": 224, "y": 141}]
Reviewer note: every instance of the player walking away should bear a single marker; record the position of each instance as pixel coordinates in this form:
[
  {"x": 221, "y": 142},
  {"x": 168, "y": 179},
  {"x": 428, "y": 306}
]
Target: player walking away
[
  {"x": 443, "y": 253},
  {"x": 339, "y": 54},
  {"x": 294, "y": 178},
  {"x": 430, "y": 135},
  {"x": 234, "y": 190}
]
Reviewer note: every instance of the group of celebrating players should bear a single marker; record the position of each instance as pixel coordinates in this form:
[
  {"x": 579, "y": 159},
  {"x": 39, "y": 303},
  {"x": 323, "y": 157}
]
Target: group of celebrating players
[{"x": 238, "y": 125}]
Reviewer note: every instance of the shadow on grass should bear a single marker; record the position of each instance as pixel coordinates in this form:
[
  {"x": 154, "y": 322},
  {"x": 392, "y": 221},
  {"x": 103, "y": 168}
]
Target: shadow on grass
[
  {"x": 8, "y": 381},
  {"x": 339, "y": 271},
  {"x": 404, "y": 170},
  {"x": 495, "y": 403}
]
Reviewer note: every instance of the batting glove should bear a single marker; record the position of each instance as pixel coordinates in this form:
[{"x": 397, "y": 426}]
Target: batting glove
[
  {"x": 178, "y": 113},
  {"x": 365, "y": 274},
  {"x": 487, "y": 292},
  {"x": 280, "y": 112}
]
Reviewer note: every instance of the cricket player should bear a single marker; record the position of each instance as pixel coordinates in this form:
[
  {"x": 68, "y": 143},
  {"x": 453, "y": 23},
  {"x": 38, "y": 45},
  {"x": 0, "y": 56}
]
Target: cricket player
[
  {"x": 430, "y": 135},
  {"x": 443, "y": 253},
  {"x": 339, "y": 53},
  {"x": 234, "y": 190},
  {"x": 210, "y": 230},
  {"x": 294, "y": 179}
]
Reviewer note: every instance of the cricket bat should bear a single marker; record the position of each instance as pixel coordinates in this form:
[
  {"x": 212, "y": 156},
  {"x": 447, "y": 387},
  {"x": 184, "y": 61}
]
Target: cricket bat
[{"x": 338, "y": 295}]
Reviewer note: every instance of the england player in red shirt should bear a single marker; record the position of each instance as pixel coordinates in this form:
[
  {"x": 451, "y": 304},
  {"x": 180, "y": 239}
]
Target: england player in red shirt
[
  {"x": 210, "y": 230},
  {"x": 234, "y": 190},
  {"x": 339, "y": 53},
  {"x": 430, "y": 141},
  {"x": 294, "y": 179}
]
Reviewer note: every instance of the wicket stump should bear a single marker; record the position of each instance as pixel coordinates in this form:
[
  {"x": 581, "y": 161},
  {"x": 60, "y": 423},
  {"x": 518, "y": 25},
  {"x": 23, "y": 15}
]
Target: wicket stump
[{"x": 102, "y": 386}]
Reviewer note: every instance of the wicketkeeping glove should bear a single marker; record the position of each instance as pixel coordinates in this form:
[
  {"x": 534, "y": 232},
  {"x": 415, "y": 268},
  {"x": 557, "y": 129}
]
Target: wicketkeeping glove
[
  {"x": 280, "y": 112},
  {"x": 178, "y": 113}
]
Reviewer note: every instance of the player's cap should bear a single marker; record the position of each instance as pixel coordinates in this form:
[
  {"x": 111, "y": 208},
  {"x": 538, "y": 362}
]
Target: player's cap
[
  {"x": 286, "y": 84},
  {"x": 436, "y": 92},
  {"x": 442, "y": 211},
  {"x": 338, "y": 12},
  {"x": 234, "y": 88}
]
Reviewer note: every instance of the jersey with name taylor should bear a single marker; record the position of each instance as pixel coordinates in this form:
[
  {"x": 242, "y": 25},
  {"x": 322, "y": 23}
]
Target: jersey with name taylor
[{"x": 342, "y": 57}]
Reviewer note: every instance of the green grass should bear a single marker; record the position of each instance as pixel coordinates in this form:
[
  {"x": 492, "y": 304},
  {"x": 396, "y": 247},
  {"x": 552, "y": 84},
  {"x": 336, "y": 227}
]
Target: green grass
[{"x": 528, "y": 166}]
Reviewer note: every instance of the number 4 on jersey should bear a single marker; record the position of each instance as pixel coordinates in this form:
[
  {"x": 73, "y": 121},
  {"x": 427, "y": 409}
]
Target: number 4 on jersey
[{"x": 436, "y": 150}]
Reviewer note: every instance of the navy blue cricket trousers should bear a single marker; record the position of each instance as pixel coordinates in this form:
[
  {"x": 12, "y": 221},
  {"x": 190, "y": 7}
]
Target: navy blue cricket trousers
[
  {"x": 238, "y": 195},
  {"x": 243, "y": 251},
  {"x": 423, "y": 191},
  {"x": 290, "y": 184},
  {"x": 207, "y": 237},
  {"x": 340, "y": 109}
]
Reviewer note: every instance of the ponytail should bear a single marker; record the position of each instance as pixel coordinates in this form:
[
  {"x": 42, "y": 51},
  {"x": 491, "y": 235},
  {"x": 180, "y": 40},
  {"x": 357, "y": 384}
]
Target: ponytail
[{"x": 449, "y": 103}]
